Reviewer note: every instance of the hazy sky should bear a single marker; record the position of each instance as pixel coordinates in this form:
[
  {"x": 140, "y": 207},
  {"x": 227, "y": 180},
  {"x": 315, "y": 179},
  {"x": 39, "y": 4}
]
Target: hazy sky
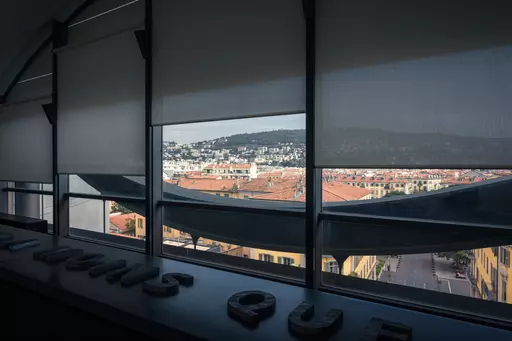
[{"x": 194, "y": 132}]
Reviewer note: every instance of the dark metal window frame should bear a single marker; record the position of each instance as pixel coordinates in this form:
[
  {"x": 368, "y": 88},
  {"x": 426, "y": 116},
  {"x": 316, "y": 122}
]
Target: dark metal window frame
[
  {"x": 414, "y": 298},
  {"x": 26, "y": 191}
]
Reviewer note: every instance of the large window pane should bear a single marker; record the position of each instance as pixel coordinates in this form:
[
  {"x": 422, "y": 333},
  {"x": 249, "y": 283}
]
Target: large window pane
[
  {"x": 423, "y": 248},
  {"x": 471, "y": 196},
  {"x": 30, "y": 205},
  {"x": 254, "y": 242},
  {"x": 88, "y": 214},
  {"x": 258, "y": 160},
  {"x": 245, "y": 164},
  {"x": 107, "y": 221}
]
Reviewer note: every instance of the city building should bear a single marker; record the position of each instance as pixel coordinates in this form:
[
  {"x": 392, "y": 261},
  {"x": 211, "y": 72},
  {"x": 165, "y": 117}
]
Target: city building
[
  {"x": 231, "y": 171},
  {"x": 130, "y": 224},
  {"x": 379, "y": 186},
  {"x": 355, "y": 266},
  {"x": 491, "y": 273}
]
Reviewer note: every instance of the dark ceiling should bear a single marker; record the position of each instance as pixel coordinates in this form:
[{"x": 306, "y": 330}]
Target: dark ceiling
[{"x": 23, "y": 25}]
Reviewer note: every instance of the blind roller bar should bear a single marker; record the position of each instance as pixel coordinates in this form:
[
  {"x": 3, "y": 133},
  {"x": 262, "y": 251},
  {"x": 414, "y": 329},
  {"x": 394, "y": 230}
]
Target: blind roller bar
[{"x": 205, "y": 120}]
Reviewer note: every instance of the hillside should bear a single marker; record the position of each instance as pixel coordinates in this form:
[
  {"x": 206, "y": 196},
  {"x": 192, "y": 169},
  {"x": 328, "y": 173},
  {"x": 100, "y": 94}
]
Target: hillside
[{"x": 266, "y": 138}]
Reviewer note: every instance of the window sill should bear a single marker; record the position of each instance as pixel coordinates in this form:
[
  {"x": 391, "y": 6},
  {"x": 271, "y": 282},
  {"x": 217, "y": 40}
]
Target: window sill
[{"x": 204, "y": 304}]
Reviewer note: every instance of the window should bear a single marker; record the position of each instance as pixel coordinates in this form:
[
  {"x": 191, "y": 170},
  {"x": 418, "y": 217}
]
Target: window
[
  {"x": 366, "y": 127},
  {"x": 37, "y": 206},
  {"x": 107, "y": 221},
  {"x": 266, "y": 257},
  {"x": 412, "y": 270},
  {"x": 285, "y": 260},
  {"x": 505, "y": 256},
  {"x": 332, "y": 266},
  {"x": 260, "y": 163},
  {"x": 504, "y": 290}
]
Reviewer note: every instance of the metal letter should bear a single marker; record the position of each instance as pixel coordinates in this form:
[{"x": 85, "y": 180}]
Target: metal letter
[
  {"x": 169, "y": 286},
  {"x": 300, "y": 322},
  {"x": 249, "y": 307},
  {"x": 102, "y": 269}
]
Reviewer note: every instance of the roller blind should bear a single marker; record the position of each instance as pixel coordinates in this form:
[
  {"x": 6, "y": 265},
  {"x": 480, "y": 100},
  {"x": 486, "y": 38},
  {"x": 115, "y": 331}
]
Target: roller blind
[
  {"x": 403, "y": 83},
  {"x": 101, "y": 108},
  {"x": 227, "y": 59},
  {"x": 25, "y": 143}
]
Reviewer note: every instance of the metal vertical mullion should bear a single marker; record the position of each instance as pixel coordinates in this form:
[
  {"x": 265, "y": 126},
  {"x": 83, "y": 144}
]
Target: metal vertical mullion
[
  {"x": 58, "y": 230},
  {"x": 60, "y": 182},
  {"x": 150, "y": 204},
  {"x": 497, "y": 275},
  {"x": 55, "y": 172},
  {"x": 313, "y": 176},
  {"x": 4, "y": 198},
  {"x": 104, "y": 220},
  {"x": 157, "y": 210}
]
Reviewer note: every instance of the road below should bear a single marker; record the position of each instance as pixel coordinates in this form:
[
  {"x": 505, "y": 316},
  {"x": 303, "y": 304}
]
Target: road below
[{"x": 419, "y": 271}]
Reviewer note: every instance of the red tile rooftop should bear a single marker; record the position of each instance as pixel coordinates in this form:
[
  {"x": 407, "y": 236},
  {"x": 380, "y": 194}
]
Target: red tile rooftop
[{"x": 120, "y": 220}]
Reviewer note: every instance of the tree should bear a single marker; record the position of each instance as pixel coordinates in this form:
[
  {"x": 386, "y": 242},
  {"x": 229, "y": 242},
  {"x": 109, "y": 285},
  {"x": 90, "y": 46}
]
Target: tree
[
  {"x": 461, "y": 258},
  {"x": 353, "y": 274},
  {"x": 130, "y": 226},
  {"x": 118, "y": 208},
  {"x": 393, "y": 194}
]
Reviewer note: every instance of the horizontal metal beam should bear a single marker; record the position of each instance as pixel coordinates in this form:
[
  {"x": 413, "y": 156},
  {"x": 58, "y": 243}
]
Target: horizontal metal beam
[
  {"x": 448, "y": 305},
  {"x": 27, "y": 191},
  {"x": 116, "y": 241},
  {"x": 229, "y": 208},
  {"x": 104, "y": 197},
  {"x": 240, "y": 265},
  {"x": 397, "y": 221}
]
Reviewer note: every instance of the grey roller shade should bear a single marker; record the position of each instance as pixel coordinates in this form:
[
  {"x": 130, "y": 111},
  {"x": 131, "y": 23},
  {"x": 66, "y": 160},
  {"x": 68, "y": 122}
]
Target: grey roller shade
[
  {"x": 25, "y": 143},
  {"x": 101, "y": 108},
  {"x": 410, "y": 84},
  {"x": 227, "y": 59}
]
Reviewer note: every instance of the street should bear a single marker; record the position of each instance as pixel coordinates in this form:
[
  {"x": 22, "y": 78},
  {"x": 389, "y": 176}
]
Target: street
[{"x": 420, "y": 271}]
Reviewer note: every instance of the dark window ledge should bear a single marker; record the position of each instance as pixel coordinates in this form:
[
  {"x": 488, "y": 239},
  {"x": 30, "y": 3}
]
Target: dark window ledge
[{"x": 204, "y": 304}]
